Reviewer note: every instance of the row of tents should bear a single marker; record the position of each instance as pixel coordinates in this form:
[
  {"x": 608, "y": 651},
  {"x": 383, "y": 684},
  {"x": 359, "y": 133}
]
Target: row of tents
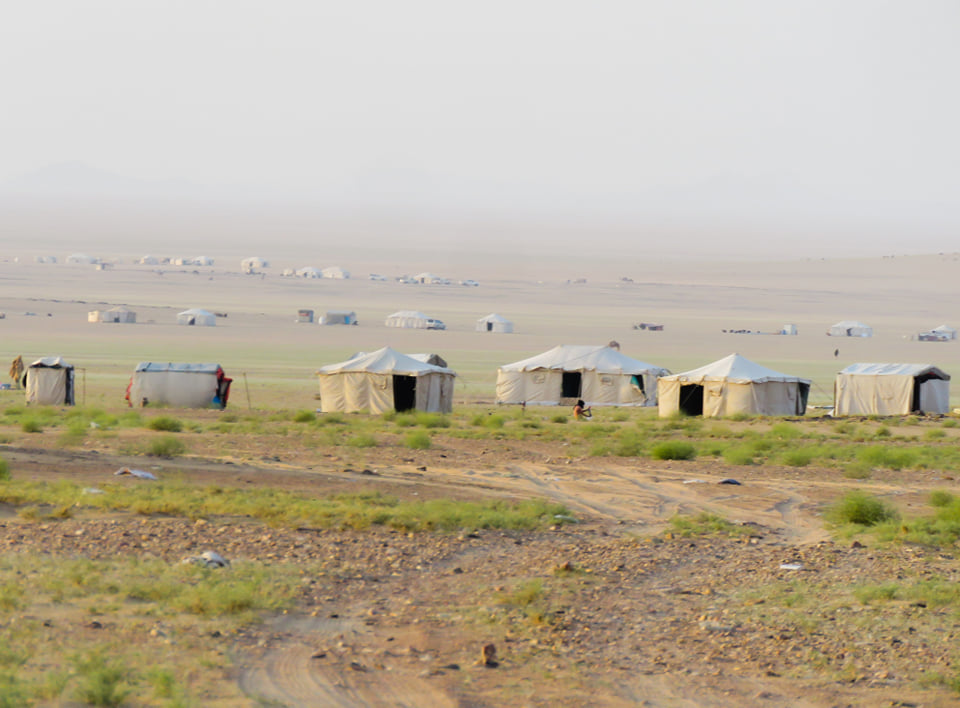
[
  {"x": 601, "y": 376},
  {"x": 51, "y": 381}
]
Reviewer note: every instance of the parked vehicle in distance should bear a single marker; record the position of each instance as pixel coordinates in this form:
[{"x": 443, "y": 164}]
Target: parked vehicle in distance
[
  {"x": 377, "y": 276},
  {"x": 435, "y": 324},
  {"x": 469, "y": 283}
]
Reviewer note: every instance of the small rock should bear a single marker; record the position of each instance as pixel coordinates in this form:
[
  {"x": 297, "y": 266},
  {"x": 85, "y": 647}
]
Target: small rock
[{"x": 488, "y": 656}]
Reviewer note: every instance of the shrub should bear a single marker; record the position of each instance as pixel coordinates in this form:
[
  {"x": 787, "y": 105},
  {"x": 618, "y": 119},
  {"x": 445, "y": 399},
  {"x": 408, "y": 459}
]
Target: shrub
[
  {"x": 304, "y": 417},
  {"x": 432, "y": 420},
  {"x": 102, "y": 683},
  {"x": 862, "y": 509},
  {"x": 4, "y": 470},
  {"x": 673, "y": 450},
  {"x": 166, "y": 446},
  {"x": 740, "y": 455},
  {"x": 561, "y": 419},
  {"x": 934, "y": 434},
  {"x": 630, "y": 445},
  {"x": 165, "y": 423},
  {"x": 938, "y": 497},
  {"x": 787, "y": 431},
  {"x": 418, "y": 440},
  {"x": 888, "y": 457},
  {"x": 950, "y": 423},
  {"x": 799, "y": 457},
  {"x": 495, "y": 421},
  {"x": 31, "y": 425},
  {"x": 405, "y": 420},
  {"x": 362, "y": 440}
]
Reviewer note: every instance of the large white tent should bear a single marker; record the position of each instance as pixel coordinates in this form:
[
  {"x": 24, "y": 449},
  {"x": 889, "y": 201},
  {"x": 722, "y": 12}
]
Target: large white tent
[
  {"x": 198, "y": 317},
  {"x": 598, "y": 375},
  {"x": 182, "y": 385},
  {"x": 336, "y": 273},
  {"x": 385, "y": 380},
  {"x": 732, "y": 385},
  {"x": 494, "y": 323},
  {"x": 114, "y": 314},
  {"x": 850, "y": 328},
  {"x": 891, "y": 389},
  {"x": 49, "y": 381},
  {"x": 412, "y": 319}
]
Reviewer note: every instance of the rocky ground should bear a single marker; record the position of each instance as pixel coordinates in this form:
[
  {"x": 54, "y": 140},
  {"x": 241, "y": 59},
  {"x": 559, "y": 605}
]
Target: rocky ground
[{"x": 613, "y": 611}]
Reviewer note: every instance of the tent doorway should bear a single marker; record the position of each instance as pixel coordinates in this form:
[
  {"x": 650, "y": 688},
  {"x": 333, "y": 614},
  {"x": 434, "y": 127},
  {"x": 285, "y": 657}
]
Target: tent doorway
[
  {"x": 489, "y": 326},
  {"x": 691, "y": 399},
  {"x": 404, "y": 392},
  {"x": 571, "y": 385}
]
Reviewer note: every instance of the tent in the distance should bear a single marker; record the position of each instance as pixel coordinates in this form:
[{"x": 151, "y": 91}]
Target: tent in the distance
[
  {"x": 49, "y": 381},
  {"x": 495, "y": 323},
  {"x": 385, "y": 380},
  {"x": 412, "y": 319},
  {"x": 180, "y": 385},
  {"x": 891, "y": 389},
  {"x": 601, "y": 376},
  {"x": 114, "y": 314},
  {"x": 850, "y": 328},
  {"x": 198, "y": 317},
  {"x": 339, "y": 317},
  {"x": 732, "y": 385}
]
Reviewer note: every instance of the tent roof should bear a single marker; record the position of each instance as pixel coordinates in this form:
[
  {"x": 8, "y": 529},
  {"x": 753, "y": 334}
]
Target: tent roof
[
  {"x": 196, "y": 311},
  {"x": 864, "y": 369},
  {"x": 944, "y": 328},
  {"x": 341, "y": 312},
  {"x": 409, "y": 314},
  {"x": 736, "y": 369},
  {"x": 118, "y": 308},
  {"x": 185, "y": 368},
  {"x": 494, "y": 317},
  {"x": 850, "y": 323},
  {"x": 51, "y": 362},
  {"x": 573, "y": 357},
  {"x": 384, "y": 361}
]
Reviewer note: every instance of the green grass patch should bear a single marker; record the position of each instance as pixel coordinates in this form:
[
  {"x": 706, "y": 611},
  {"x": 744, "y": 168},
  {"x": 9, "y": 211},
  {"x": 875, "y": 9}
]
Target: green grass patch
[
  {"x": 418, "y": 440},
  {"x": 704, "y": 524},
  {"x": 860, "y": 509},
  {"x": 165, "y": 423},
  {"x": 892, "y": 458},
  {"x": 166, "y": 446}
]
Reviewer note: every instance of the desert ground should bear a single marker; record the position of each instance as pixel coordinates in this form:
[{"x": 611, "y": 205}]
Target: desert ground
[{"x": 640, "y": 614}]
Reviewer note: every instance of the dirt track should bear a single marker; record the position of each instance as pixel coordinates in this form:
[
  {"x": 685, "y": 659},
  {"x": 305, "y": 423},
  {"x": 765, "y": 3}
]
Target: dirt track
[{"x": 398, "y": 620}]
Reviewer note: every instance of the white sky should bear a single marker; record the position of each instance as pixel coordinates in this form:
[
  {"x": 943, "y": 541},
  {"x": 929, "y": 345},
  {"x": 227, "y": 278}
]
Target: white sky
[{"x": 839, "y": 113}]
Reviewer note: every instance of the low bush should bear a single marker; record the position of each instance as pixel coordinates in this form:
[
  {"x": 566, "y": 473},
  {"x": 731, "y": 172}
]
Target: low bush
[
  {"x": 166, "y": 446},
  {"x": 432, "y": 420},
  {"x": 362, "y": 440},
  {"x": 798, "y": 457},
  {"x": 304, "y": 417},
  {"x": 418, "y": 440},
  {"x": 561, "y": 419},
  {"x": 673, "y": 450},
  {"x": 888, "y": 457},
  {"x": 4, "y": 470},
  {"x": 739, "y": 455},
  {"x": 938, "y": 497},
  {"x": 31, "y": 425},
  {"x": 862, "y": 509},
  {"x": 165, "y": 423}
]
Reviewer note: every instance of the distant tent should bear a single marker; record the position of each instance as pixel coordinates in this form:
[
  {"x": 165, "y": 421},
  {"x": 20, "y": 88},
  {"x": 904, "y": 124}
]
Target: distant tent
[
  {"x": 494, "y": 323},
  {"x": 943, "y": 333},
  {"x": 732, "y": 385},
  {"x": 309, "y": 272},
  {"x": 203, "y": 261},
  {"x": 305, "y": 316},
  {"x": 850, "y": 328},
  {"x": 336, "y": 273},
  {"x": 566, "y": 373},
  {"x": 891, "y": 389},
  {"x": 198, "y": 317},
  {"x": 249, "y": 265},
  {"x": 82, "y": 258},
  {"x": 429, "y": 279},
  {"x": 342, "y": 317},
  {"x": 413, "y": 319},
  {"x": 385, "y": 380},
  {"x": 49, "y": 381},
  {"x": 181, "y": 385},
  {"x": 115, "y": 314},
  {"x": 149, "y": 260}
]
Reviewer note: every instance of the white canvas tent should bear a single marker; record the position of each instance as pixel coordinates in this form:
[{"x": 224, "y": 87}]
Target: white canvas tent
[
  {"x": 198, "y": 317},
  {"x": 385, "y": 380},
  {"x": 413, "y": 319},
  {"x": 943, "y": 333},
  {"x": 891, "y": 389},
  {"x": 598, "y": 375},
  {"x": 49, "y": 381},
  {"x": 731, "y": 385},
  {"x": 249, "y": 265},
  {"x": 945, "y": 330},
  {"x": 850, "y": 328},
  {"x": 114, "y": 314},
  {"x": 310, "y": 272},
  {"x": 494, "y": 323},
  {"x": 336, "y": 273},
  {"x": 181, "y": 385}
]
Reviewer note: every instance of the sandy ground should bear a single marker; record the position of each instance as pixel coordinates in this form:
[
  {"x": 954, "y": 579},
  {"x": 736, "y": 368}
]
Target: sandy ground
[{"x": 695, "y": 302}]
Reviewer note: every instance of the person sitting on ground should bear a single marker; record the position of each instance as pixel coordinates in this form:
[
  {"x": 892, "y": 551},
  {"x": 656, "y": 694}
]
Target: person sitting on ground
[{"x": 581, "y": 411}]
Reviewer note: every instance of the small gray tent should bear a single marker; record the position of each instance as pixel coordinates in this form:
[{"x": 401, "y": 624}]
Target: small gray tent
[
  {"x": 891, "y": 389},
  {"x": 49, "y": 381}
]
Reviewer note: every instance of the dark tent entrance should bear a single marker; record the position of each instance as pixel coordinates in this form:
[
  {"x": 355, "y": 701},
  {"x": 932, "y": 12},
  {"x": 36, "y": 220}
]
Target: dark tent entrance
[
  {"x": 404, "y": 392},
  {"x": 489, "y": 326},
  {"x": 571, "y": 385},
  {"x": 691, "y": 399}
]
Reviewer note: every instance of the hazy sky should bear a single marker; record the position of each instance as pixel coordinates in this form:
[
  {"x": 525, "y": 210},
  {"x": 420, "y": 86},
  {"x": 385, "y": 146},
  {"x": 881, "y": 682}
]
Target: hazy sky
[{"x": 839, "y": 113}]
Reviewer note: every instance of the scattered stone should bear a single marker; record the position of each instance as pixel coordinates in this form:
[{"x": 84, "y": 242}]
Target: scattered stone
[
  {"x": 208, "y": 559},
  {"x": 423, "y": 468},
  {"x": 369, "y": 472},
  {"x": 357, "y": 666},
  {"x": 488, "y": 656},
  {"x": 729, "y": 480}
]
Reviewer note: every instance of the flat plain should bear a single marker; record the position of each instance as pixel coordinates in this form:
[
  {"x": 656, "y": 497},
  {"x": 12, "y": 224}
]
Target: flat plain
[{"x": 643, "y": 581}]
